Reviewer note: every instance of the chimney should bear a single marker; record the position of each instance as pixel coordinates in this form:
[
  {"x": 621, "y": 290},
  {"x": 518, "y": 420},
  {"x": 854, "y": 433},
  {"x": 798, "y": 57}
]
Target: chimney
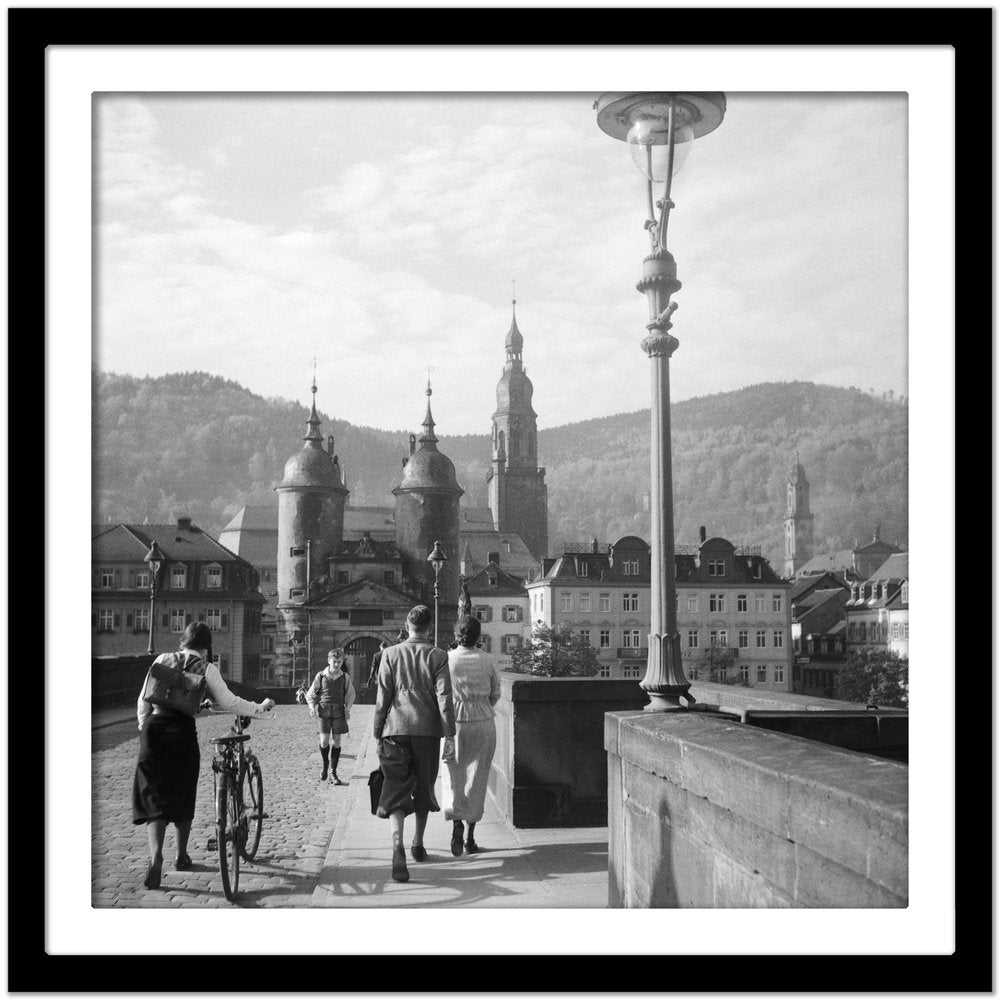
[
  {"x": 702, "y": 534},
  {"x": 183, "y": 523},
  {"x": 595, "y": 546}
]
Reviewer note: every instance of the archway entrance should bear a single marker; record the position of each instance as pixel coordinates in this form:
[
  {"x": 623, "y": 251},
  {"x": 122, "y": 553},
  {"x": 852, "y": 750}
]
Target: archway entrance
[{"x": 358, "y": 655}]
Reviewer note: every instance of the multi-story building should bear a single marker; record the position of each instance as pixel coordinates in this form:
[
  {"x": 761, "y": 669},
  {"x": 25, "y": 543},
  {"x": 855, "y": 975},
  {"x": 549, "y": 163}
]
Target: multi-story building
[
  {"x": 733, "y": 616},
  {"x": 200, "y": 580},
  {"x": 818, "y": 632},
  {"x": 877, "y": 613},
  {"x": 851, "y": 564},
  {"x": 603, "y": 594},
  {"x": 500, "y": 602}
]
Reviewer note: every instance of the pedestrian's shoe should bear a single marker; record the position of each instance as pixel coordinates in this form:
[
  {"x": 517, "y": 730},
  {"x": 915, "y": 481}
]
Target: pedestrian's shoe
[
  {"x": 183, "y": 862},
  {"x": 336, "y": 780},
  {"x": 326, "y": 771},
  {"x": 152, "y": 879},
  {"x": 399, "y": 869},
  {"x": 419, "y": 852},
  {"x": 456, "y": 837},
  {"x": 471, "y": 847}
]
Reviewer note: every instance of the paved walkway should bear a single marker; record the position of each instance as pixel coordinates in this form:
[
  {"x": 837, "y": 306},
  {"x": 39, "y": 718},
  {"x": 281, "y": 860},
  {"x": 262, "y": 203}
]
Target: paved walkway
[{"x": 321, "y": 846}]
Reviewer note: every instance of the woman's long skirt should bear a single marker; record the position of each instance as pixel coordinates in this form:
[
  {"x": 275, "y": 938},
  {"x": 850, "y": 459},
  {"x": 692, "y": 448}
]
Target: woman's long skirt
[
  {"x": 166, "y": 776},
  {"x": 464, "y": 780}
]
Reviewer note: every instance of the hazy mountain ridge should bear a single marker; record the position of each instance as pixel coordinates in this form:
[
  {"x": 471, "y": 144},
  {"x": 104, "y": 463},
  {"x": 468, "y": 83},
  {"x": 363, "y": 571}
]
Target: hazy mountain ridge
[{"x": 204, "y": 445}]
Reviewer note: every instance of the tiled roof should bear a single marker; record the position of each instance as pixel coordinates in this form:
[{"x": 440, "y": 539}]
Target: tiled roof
[
  {"x": 132, "y": 541},
  {"x": 843, "y": 559},
  {"x": 506, "y": 584},
  {"x": 518, "y": 560},
  {"x": 896, "y": 567}
]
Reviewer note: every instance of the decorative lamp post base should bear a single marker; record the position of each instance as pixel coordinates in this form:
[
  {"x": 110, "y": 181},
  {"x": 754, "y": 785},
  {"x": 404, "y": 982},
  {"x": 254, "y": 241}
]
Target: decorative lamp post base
[{"x": 665, "y": 683}]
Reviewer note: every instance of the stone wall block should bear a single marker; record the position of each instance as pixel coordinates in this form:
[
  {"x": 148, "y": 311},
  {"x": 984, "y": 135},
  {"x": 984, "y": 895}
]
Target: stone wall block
[
  {"x": 616, "y": 832},
  {"x": 739, "y": 888},
  {"x": 821, "y": 882}
]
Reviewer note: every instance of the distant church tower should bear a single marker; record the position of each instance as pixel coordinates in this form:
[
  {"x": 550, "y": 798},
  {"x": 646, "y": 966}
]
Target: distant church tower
[
  {"x": 427, "y": 511},
  {"x": 311, "y": 501},
  {"x": 798, "y": 521},
  {"x": 517, "y": 493}
]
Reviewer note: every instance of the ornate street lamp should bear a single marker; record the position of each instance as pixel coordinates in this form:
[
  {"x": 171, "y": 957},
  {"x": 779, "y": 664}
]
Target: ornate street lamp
[
  {"x": 659, "y": 130},
  {"x": 154, "y": 559},
  {"x": 437, "y": 559}
]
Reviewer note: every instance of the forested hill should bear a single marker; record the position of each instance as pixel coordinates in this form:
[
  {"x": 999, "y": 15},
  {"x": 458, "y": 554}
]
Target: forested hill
[{"x": 205, "y": 446}]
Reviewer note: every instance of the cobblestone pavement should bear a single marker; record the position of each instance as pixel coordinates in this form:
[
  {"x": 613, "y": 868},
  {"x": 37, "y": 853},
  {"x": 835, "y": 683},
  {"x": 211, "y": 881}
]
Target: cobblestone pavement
[{"x": 302, "y": 814}]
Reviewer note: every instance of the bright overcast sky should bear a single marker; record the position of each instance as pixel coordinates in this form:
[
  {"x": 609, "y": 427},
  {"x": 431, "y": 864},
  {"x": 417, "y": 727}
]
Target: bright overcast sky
[{"x": 244, "y": 235}]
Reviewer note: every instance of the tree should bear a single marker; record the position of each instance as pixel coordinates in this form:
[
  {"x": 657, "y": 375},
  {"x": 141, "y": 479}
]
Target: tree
[
  {"x": 719, "y": 663},
  {"x": 875, "y": 676},
  {"x": 555, "y": 652}
]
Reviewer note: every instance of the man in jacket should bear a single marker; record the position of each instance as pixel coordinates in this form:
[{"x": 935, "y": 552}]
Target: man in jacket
[{"x": 413, "y": 710}]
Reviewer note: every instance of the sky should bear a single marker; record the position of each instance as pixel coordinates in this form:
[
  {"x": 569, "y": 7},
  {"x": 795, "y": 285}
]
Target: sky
[{"x": 245, "y": 235}]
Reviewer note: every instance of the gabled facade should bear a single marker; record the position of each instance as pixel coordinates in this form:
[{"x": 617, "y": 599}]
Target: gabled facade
[
  {"x": 877, "y": 613},
  {"x": 200, "y": 581},
  {"x": 500, "y": 602}
]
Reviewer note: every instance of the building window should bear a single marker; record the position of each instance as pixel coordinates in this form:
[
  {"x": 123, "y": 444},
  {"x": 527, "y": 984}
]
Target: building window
[
  {"x": 906, "y": 630},
  {"x": 743, "y": 638},
  {"x": 105, "y": 620},
  {"x": 541, "y": 603},
  {"x": 141, "y": 619},
  {"x": 486, "y": 643},
  {"x": 745, "y": 672},
  {"x": 222, "y": 662},
  {"x": 632, "y": 671},
  {"x": 142, "y": 578},
  {"x": 508, "y": 643},
  {"x": 741, "y": 604},
  {"x": 761, "y": 673},
  {"x": 512, "y": 613},
  {"x": 582, "y": 567},
  {"x": 343, "y": 576},
  {"x": 585, "y": 603},
  {"x": 483, "y": 612},
  {"x": 176, "y": 619},
  {"x": 585, "y": 636},
  {"x": 267, "y": 643},
  {"x": 213, "y": 578},
  {"x": 723, "y": 673},
  {"x": 213, "y": 619},
  {"x": 693, "y": 603},
  {"x": 605, "y": 604},
  {"x": 694, "y": 674},
  {"x": 565, "y": 602},
  {"x": 296, "y": 592},
  {"x": 778, "y": 637},
  {"x": 779, "y": 673},
  {"x": 107, "y": 578},
  {"x": 389, "y": 577},
  {"x": 716, "y": 602},
  {"x": 862, "y": 631},
  {"x": 297, "y": 550},
  {"x": 604, "y": 670},
  {"x": 692, "y": 639},
  {"x": 630, "y": 567},
  {"x": 761, "y": 638},
  {"x": 630, "y": 602},
  {"x": 178, "y": 577},
  {"x": 630, "y": 638},
  {"x": 716, "y": 567},
  {"x": 904, "y": 593},
  {"x": 718, "y": 637},
  {"x": 757, "y": 571},
  {"x": 759, "y": 603},
  {"x": 604, "y": 639},
  {"x": 776, "y": 603}
]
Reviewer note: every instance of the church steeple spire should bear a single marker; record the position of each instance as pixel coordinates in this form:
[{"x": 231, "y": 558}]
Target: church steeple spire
[
  {"x": 313, "y": 422},
  {"x": 429, "y": 437},
  {"x": 514, "y": 342}
]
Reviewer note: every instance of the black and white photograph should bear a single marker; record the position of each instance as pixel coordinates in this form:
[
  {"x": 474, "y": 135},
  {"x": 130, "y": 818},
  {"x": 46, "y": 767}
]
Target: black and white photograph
[{"x": 501, "y": 497}]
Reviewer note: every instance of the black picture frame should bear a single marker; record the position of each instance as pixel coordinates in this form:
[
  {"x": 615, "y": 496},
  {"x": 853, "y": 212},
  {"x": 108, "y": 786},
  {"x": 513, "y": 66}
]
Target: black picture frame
[{"x": 30, "y": 969}]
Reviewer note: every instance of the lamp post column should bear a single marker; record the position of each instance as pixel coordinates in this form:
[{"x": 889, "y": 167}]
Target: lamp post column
[
  {"x": 437, "y": 570},
  {"x": 152, "y": 611}
]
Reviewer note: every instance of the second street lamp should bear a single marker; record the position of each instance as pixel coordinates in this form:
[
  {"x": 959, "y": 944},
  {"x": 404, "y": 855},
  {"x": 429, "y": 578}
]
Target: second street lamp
[
  {"x": 659, "y": 130},
  {"x": 437, "y": 559},
  {"x": 154, "y": 559}
]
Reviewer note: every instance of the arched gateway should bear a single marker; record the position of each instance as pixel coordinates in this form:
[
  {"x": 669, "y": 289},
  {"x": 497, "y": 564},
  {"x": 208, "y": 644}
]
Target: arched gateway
[{"x": 358, "y": 655}]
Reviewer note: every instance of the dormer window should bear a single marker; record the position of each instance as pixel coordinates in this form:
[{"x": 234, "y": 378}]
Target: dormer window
[
  {"x": 904, "y": 594},
  {"x": 716, "y": 567},
  {"x": 107, "y": 580},
  {"x": 582, "y": 567},
  {"x": 178, "y": 576},
  {"x": 630, "y": 567},
  {"x": 213, "y": 578}
]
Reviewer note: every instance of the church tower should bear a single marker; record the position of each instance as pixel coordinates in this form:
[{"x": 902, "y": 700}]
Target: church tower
[
  {"x": 798, "y": 521},
  {"x": 311, "y": 501},
  {"x": 427, "y": 511},
  {"x": 518, "y": 496}
]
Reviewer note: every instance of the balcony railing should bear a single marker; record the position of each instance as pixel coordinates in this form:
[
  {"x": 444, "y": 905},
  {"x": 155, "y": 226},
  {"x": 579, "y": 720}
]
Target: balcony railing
[{"x": 632, "y": 651}]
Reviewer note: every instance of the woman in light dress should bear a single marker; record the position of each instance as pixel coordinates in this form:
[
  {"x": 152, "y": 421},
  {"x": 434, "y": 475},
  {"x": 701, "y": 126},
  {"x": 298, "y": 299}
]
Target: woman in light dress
[{"x": 475, "y": 689}]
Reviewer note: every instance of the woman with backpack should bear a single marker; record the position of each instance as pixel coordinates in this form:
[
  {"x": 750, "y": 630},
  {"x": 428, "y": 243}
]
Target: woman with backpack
[
  {"x": 166, "y": 776},
  {"x": 330, "y": 699}
]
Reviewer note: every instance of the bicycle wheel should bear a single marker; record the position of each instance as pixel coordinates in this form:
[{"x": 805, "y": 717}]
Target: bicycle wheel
[
  {"x": 253, "y": 808},
  {"x": 228, "y": 835}
]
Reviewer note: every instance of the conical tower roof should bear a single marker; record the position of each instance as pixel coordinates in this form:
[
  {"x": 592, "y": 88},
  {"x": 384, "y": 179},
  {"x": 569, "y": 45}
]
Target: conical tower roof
[
  {"x": 427, "y": 468},
  {"x": 312, "y": 465}
]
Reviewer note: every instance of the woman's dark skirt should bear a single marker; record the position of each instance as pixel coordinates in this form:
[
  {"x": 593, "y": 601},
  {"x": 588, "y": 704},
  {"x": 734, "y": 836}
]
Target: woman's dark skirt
[
  {"x": 166, "y": 776},
  {"x": 410, "y": 768}
]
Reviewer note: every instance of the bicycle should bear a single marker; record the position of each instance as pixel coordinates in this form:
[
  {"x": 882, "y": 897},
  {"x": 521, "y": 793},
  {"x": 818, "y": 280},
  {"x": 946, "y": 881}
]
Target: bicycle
[{"x": 239, "y": 804}]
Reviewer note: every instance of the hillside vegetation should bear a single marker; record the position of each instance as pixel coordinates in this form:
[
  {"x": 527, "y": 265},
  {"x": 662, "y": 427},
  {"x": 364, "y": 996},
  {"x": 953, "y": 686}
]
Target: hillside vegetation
[{"x": 205, "y": 446}]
